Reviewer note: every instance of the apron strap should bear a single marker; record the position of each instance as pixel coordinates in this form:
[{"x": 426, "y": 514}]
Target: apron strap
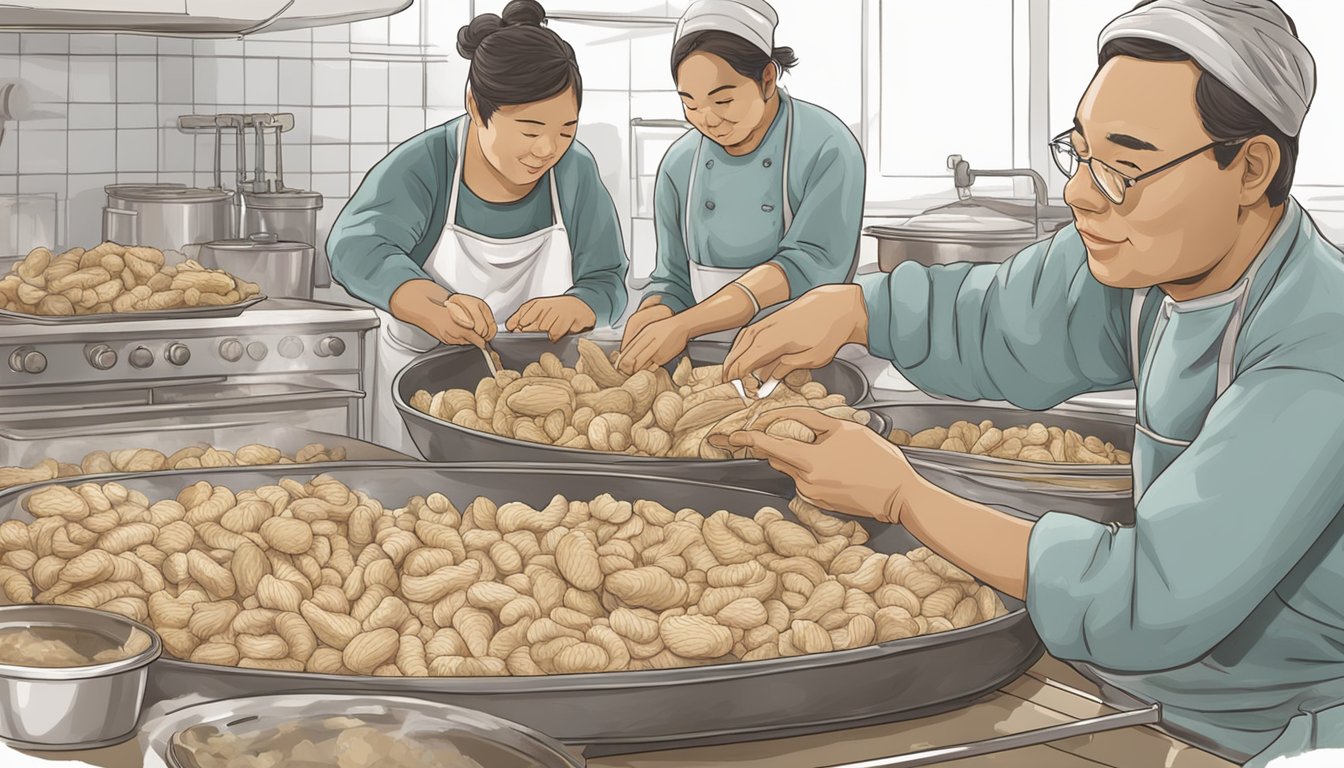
[
  {"x": 1227, "y": 352},
  {"x": 457, "y": 173},
  {"x": 788, "y": 146},
  {"x": 1136, "y": 303},
  {"x": 690, "y": 195},
  {"x": 556, "y": 219}
]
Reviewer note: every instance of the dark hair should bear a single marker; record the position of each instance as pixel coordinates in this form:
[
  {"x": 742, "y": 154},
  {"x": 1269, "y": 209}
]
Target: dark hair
[
  {"x": 1225, "y": 115},
  {"x": 516, "y": 60},
  {"x": 741, "y": 55}
]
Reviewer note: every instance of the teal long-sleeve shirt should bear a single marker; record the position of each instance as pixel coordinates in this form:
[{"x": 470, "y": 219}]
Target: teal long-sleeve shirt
[
  {"x": 1225, "y": 599},
  {"x": 736, "y": 206},
  {"x": 385, "y": 234}
]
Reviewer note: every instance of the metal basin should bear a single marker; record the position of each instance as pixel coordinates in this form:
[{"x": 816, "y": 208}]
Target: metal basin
[
  {"x": 627, "y": 711},
  {"x": 1101, "y": 493},
  {"x": 463, "y": 367}
]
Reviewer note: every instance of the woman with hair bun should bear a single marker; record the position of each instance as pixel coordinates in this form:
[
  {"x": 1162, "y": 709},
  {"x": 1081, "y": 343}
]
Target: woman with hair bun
[
  {"x": 759, "y": 204},
  {"x": 499, "y": 214}
]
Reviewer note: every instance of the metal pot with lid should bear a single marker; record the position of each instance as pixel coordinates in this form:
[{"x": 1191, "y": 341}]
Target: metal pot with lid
[
  {"x": 281, "y": 268},
  {"x": 167, "y": 216},
  {"x": 970, "y": 229},
  {"x": 291, "y": 215}
]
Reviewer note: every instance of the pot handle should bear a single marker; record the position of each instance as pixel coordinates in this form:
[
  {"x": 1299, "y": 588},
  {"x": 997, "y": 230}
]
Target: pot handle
[
  {"x": 1146, "y": 716},
  {"x": 119, "y": 225}
]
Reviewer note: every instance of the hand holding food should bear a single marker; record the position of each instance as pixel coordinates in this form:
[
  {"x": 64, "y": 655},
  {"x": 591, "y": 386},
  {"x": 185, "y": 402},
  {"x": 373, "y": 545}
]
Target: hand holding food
[
  {"x": 555, "y": 316},
  {"x": 658, "y": 344},
  {"x": 793, "y": 339},
  {"x": 835, "y": 463},
  {"x": 1036, "y": 442},
  {"x": 323, "y": 578},
  {"x": 649, "y": 313},
  {"x": 455, "y": 319},
  {"x": 115, "y": 278}
]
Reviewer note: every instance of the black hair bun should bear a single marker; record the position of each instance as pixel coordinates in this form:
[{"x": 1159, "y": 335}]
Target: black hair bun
[
  {"x": 524, "y": 12},
  {"x": 470, "y": 37}
]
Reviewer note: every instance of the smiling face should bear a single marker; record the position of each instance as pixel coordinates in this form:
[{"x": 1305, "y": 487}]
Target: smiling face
[
  {"x": 523, "y": 141},
  {"x": 1178, "y": 224},
  {"x": 723, "y": 104}
]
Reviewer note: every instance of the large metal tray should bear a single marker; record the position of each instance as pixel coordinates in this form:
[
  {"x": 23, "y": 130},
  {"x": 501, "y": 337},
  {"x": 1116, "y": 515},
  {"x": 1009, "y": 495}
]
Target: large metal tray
[
  {"x": 464, "y": 367},
  {"x": 627, "y": 711},
  {"x": 1101, "y": 493},
  {"x": 183, "y": 313}
]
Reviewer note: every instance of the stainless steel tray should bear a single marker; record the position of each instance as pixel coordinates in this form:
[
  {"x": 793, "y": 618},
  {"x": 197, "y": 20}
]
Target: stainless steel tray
[
  {"x": 1101, "y": 493},
  {"x": 184, "y": 313},
  {"x": 626, "y": 711},
  {"x": 463, "y": 367}
]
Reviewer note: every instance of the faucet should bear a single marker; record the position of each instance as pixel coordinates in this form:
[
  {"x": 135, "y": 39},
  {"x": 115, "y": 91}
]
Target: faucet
[{"x": 963, "y": 176}]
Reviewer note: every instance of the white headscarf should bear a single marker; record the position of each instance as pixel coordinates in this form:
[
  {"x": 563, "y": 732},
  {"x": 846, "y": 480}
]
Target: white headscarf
[
  {"x": 1247, "y": 44},
  {"x": 751, "y": 20}
]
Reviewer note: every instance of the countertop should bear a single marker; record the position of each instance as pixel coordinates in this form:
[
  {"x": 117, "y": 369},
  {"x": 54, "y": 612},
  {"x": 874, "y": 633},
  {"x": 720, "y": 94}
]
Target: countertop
[
  {"x": 1051, "y": 692},
  {"x": 285, "y": 313}
]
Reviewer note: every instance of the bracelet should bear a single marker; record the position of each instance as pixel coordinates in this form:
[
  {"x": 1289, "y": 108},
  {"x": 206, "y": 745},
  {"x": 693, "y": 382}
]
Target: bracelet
[{"x": 756, "y": 305}]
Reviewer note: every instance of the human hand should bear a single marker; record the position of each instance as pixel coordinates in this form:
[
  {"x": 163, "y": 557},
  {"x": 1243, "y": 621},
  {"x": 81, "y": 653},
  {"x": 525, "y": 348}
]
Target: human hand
[
  {"x": 804, "y": 335},
  {"x": 658, "y": 343},
  {"x": 641, "y": 319},
  {"x": 849, "y": 469},
  {"x": 555, "y": 316},
  {"x": 452, "y": 319}
]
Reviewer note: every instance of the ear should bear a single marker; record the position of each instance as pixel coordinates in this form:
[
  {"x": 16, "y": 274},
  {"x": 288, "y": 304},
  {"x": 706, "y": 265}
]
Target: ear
[
  {"x": 770, "y": 80},
  {"x": 1260, "y": 163}
]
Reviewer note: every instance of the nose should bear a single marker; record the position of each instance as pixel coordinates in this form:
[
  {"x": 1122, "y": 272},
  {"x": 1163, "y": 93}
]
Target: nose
[
  {"x": 543, "y": 147},
  {"x": 712, "y": 120},
  {"x": 1082, "y": 194}
]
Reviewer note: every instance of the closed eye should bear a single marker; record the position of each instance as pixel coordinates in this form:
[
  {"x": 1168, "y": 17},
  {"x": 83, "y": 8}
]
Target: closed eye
[
  {"x": 531, "y": 135},
  {"x": 567, "y": 135},
  {"x": 1131, "y": 165},
  {"x": 725, "y": 101}
]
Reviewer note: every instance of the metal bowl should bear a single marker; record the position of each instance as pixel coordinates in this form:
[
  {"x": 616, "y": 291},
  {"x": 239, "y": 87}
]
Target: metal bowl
[
  {"x": 484, "y": 739},
  {"x": 61, "y": 708},
  {"x": 464, "y": 367},
  {"x": 1101, "y": 493}
]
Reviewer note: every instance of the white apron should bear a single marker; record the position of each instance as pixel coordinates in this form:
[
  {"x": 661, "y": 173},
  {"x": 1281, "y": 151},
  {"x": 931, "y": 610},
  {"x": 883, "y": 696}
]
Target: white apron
[
  {"x": 706, "y": 280},
  {"x": 503, "y": 272}
]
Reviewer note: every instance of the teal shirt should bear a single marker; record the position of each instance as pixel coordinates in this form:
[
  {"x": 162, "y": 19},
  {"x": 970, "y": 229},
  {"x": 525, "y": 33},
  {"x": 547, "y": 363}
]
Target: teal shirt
[
  {"x": 386, "y": 232},
  {"x": 1225, "y": 599},
  {"x": 826, "y": 182}
]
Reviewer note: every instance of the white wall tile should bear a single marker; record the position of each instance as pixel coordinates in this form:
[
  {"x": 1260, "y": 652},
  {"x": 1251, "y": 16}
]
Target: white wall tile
[
  {"x": 84, "y": 207},
  {"x": 42, "y": 152},
  {"x": 9, "y": 43},
  {"x": 175, "y": 46},
  {"x": 279, "y": 50},
  {"x": 331, "y": 125},
  {"x": 440, "y": 115},
  {"x": 368, "y": 82},
  {"x": 371, "y": 32},
  {"x": 296, "y": 82},
  {"x": 137, "y": 150},
  {"x": 656, "y": 105},
  {"x": 404, "y": 122},
  {"x": 331, "y": 158},
  {"x": 9, "y": 66},
  {"x": 332, "y": 33},
  {"x": 331, "y": 50},
  {"x": 406, "y": 84},
  {"x": 222, "y": 47},
  {"x": 303, "y": 124},
  {"x": 650, "y": 60},
  {"x": 137, "y": 44},
  {"x": 332, "y": 185},
  {"x": 186, "y": 179},
  {"x": 262, "y": 83},
  {"x": 443, "y": 22},
  {"x": 446, "y": 83},
  {"x": 168, "y": 114},
  {"x": 93, "y": 116},
  {"x": 9, "y": 155},
  {"x": 137, "y": 177},
  {"x": 218, "y": 80},
  {"x": 93, "y": 78},
  {"x": 331, "y": 83},
  {"x": 368, "y": 124},
  {"x": 137, "y": 79},
  {"x": 175, "y": 79},
  {"x": 603, "y": 53},
  {"x": 298, "y": 162},
  {"x": 9, "y": 185},
  {"x": 365, "y": 156},
  {"x": 404, "y": 28},
  {"x": 33, "y": 42},
  {"x": 93, "y": 151},
  {"x": 137, "y": 116},
  {"x": 177, "y": 151},
  {"x": 285, "y": 35},
  {"x": 42, "y": 184},
  {"x": 46, "y": 117},
  {"x": 105, "y": 44},
  {"x": 46, "y": 78}
]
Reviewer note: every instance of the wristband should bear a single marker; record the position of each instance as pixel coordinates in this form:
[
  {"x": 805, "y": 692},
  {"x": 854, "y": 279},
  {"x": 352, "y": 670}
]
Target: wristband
[{"x": 756, "y": 305}]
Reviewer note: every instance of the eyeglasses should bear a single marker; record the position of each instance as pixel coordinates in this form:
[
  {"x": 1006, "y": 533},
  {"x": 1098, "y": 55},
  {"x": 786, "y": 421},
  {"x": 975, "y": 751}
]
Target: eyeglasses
[{"x": 1111, "y": 182}]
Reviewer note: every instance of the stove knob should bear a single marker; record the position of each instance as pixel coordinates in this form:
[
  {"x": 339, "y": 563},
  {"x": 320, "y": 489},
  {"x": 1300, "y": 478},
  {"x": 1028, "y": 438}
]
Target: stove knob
[
  {"x": 257, "y": 351},
  {"x": 101, "y": 356},
  {"x": 27, "y": 360},
  {"x": 330, "y": 346},
  {"x": 231, "y": 350},
  {"x": 290, "y": 347},
  {"x": 141, "y": 357},
  {"x": 178, "y": 354}
]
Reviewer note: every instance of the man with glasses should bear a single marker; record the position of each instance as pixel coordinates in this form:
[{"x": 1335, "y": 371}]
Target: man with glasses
[{"x": 1191, "y": 274}]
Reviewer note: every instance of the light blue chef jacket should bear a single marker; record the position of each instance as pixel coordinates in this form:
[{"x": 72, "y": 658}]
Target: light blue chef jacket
[
  {"x": 738, "y": 206},
  {"x": 1225, "y": 600}
]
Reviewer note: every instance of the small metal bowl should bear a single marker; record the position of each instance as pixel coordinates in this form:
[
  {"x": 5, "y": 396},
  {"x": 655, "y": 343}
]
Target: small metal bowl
[{"x": 84, "y": 707}]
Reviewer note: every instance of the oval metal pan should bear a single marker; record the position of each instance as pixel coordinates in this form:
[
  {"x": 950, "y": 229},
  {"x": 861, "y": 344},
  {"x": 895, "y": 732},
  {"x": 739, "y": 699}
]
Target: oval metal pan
[
  {"x": 183, "y": 313},
  {"x": 1100, "y": 493},
  {"x": 626, "y": 711},
  {"x": 463, "y": 368}
]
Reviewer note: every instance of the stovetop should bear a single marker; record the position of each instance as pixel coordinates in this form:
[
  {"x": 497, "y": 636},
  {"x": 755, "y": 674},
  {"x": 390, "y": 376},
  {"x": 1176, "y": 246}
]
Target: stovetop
[{"x": 276, "y": 336}]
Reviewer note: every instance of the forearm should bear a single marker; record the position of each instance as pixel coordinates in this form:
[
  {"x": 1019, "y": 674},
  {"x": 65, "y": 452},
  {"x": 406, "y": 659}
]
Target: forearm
[
  {"x": 732, "y": 306},
  {"x": 987, "y": 543}
]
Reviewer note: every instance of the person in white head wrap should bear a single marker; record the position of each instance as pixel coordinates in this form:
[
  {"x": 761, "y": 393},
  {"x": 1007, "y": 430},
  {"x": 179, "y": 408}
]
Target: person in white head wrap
[
  {"x": 758, "y": 204},
  {"x": 1191, "y": 275}
]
